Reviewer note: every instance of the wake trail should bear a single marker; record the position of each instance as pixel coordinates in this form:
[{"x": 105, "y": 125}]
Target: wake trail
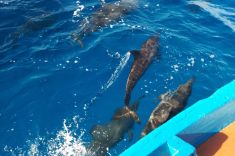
[
  {"x": 112, "y": 78},
  {"x": 117, "y": 72},
  {"x": 218, "y": 12}
]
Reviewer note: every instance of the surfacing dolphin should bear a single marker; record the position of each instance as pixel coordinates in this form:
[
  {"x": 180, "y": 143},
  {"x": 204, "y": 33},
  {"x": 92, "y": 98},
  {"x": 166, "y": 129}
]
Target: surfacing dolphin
[
  {"x": 107, "y": 14},
  {"x": 108, "y": 135},
  {"x": 142, "y": 59},
  {"x": 171, "y": 104}
]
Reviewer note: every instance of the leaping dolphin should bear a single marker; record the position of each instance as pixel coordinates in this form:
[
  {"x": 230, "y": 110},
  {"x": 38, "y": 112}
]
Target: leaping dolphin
[
  {"x": 142, "y": 59},
  {"x": 171, "y": 104},
  {"x": 108, "y": 135}
]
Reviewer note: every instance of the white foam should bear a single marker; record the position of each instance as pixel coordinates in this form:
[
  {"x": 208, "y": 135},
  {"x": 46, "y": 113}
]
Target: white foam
[
  {"x": 117, "y": 71},
  {"x": 191, "y": 61},
  {"x": 65, "y": 143},
  {"x": 80, "y": 7},
  {"x": 146, "y": 5},
  {"x": 175, "y": 67},
  {"x": 33, "y": 150},
  {"x": 218, "y": 12},
  {"x": 212, "y": 56}
]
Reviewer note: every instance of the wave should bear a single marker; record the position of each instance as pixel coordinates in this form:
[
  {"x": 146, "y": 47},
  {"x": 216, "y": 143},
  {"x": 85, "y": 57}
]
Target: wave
[{"x": 218, "y": 12}]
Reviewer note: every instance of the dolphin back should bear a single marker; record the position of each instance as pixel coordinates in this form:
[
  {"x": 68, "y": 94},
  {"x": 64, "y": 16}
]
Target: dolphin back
[
  {"x": 101, "y": 136},
  {"x": 100, "y": 133},
  {"x": 142, "y": 60},
  {"x": 171, "y": 104}
]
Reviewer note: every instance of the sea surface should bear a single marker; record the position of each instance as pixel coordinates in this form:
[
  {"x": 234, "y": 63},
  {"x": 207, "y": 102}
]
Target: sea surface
[{"x": 52, "y": 91}]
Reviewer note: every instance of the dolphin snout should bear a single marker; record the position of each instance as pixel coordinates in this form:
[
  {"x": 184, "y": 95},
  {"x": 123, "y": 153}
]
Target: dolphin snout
[
  {"x": 190, "y": 81},
  {"x": 154, "y": 40}
]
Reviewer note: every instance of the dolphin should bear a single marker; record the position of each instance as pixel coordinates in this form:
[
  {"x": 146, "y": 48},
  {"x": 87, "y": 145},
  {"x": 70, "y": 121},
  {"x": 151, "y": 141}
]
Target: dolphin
[
  {"x": 171, "y": 104},
  {"x": 142, "y": 59},
  {"x": 108, "y": 135},
  {"x": 107, "y": 14},
  {"x": 34, "y": 24}
]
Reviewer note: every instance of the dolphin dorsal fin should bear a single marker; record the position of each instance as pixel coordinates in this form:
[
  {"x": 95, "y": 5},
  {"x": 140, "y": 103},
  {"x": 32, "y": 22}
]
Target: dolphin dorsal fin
[{"x": 135, "y": 53}]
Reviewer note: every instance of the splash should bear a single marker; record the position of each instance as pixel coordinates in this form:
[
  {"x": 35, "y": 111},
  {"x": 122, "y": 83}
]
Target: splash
[
  {"x": 218, "y": 12},
  {"x": 65, "y": 143},
  {"x": 117, "y": 71}
]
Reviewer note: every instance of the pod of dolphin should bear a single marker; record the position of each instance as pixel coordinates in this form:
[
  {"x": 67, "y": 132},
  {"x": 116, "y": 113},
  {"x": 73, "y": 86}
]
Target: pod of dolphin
[{"x": 108, "y": 135}]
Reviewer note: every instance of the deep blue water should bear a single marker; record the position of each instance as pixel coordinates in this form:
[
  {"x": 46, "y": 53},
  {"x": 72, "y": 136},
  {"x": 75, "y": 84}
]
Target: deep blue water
[{"x": 47, "y": 82}]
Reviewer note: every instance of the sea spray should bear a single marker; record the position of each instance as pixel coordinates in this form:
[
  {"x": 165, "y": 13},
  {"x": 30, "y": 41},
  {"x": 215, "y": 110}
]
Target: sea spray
[
  {"x": 219, "y": 13},
  {"x": 67, "y": 143}
]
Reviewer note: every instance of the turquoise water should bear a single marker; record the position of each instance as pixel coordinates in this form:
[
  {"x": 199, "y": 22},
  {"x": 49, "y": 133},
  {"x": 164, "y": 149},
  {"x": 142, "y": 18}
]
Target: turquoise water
[{"x": 52, "y": 91}]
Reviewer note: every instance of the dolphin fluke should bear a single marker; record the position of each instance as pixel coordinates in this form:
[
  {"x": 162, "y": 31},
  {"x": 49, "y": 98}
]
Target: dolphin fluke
[
  {"x": 133, "y": 108},
  {"x": 135, "y": 117},
  {"x": 129, "y": 111}
]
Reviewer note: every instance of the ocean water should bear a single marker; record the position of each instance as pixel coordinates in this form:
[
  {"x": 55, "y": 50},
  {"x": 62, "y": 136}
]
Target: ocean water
[{"x": 52, "y": 91}]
